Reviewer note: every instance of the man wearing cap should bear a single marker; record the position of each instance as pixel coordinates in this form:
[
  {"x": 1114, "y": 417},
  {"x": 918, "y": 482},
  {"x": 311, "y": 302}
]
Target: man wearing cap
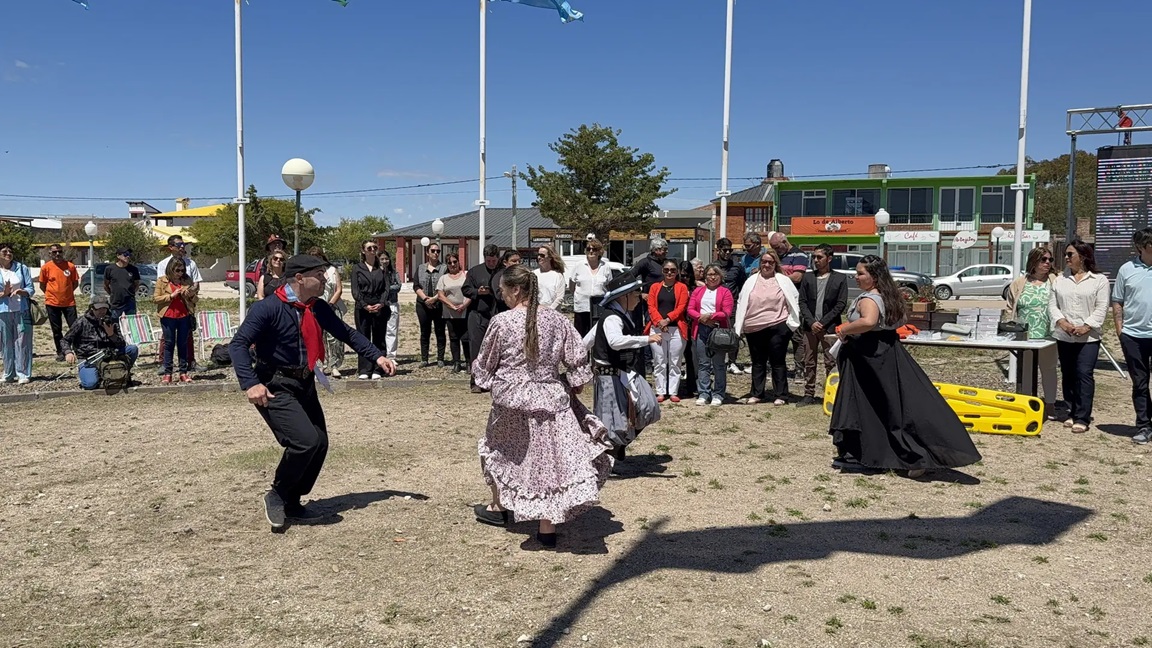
[
  {"x": 95, "y": 339},
  {"x": 287, "y": 332},
  {"x": 121, "y": 281},
  {"x": 58, "y": 282}
]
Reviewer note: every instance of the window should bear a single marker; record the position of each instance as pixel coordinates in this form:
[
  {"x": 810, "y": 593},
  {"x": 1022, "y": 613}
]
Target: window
[
  {"x": 791, "y": 204},
  {"x": 855, "y": 202},
  {"x": 994, "y": 271},
  {"x": 815, "y": 203},
  {"x": 910, "y": 205},
  {"x": 957, "y": 204},
  {"x": 912, "y": 257},
  {"x": 971, "y": 272},
  {"x": 757, "y": 219},
  {"x": 997, "y": 205}
]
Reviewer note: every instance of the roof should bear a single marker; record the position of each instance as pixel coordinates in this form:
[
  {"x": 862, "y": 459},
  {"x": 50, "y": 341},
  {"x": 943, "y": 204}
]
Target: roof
[
  {"x": 163, "y": 233},
  {"x": 497, "y": 226},
  {"x": 195, "y": 212},
  {"x": 761, "y": 193}
]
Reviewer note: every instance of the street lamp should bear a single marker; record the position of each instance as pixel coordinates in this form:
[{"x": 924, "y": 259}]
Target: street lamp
[
  {"x": 882, "y": 220},
  {"x": 438, "y": 229},
  {"x": 90, "y": 230},
  {"x": 298, "y": 174},
  {"x": 998, "y": 233},
  {"x": 512, "y": 174}
]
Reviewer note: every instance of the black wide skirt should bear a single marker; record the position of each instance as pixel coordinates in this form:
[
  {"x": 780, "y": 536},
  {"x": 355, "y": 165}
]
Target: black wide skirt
[{"x": 889, "y": 415}]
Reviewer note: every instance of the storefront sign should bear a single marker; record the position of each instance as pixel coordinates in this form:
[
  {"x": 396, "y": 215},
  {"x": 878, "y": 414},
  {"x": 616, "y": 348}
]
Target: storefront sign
[
  {"x": 912, "y": 237},
  {"x": 542, "y": 235},
  {"x": 964, "y": 240},
  {"x": 833, "y": 225},
  {"x": 1028, "y": 236},
  {"x": 681, "y": 235}
]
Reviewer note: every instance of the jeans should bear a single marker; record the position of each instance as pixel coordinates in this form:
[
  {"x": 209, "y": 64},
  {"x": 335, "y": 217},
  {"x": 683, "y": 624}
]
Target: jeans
[
  {"x": 178, "y": 332},
  {"x": 1077, "y": 362},
  {"x": 430, "y": 318},
  {"x": 1138, "y": 357},
  {"x": 16, "y": 343},
  {"x": 769, "y": 348},
  {"x": 666, "y": 357},
  {"x": 90, "y": 373},
  {"x": 57, "y": 315},
  {"x": 127, "y": 308},
  {"x": 711, "y": 376}
]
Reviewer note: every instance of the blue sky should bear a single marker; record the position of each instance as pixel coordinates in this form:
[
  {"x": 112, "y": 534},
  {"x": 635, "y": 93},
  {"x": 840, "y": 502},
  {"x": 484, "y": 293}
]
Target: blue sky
[{"x": 135, "y": 98}]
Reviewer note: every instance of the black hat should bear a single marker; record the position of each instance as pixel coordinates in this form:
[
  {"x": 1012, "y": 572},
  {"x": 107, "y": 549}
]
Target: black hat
[
  {"x": 620, "y": 285},
  {"x": 99, "y": 302},
  {"x": 303, "y": 263},
  {"x": 124, "y": 252}
]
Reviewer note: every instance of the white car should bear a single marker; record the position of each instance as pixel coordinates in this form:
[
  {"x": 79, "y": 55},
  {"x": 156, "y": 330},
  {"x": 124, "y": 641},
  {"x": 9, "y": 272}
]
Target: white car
[{"x": 982, "y": 279}]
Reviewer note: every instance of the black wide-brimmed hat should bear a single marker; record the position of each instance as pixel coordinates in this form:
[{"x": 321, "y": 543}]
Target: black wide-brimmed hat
[{"x": 620, "y": 285}]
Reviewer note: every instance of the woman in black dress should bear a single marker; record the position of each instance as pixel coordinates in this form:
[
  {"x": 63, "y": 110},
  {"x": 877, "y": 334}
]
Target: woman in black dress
[{"x": 888, "y": 415}]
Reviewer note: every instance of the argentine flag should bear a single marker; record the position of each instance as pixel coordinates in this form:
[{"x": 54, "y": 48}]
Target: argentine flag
[{"x": 567, "y": 13}]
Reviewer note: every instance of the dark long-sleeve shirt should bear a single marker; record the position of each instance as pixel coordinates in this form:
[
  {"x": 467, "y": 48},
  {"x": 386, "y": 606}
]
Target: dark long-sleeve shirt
[
  {"x": 274, "y": 327},
  {"x": 369, "y": 286},
  {"x": 87, "y": 337},
  {"x": 478, "y": 276}
]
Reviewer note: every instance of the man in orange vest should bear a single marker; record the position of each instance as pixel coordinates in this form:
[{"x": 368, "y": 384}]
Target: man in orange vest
[{"x": 58, "y": 281}]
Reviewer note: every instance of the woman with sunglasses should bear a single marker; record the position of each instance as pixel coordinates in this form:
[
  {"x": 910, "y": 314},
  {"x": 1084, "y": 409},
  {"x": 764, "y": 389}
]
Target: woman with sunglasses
[
  {"x": 428, "y": 307},
  {"x": 1029, "y": 300},
  {"x": 370, "y": 293},
  {"x": 550, "y": 277},
  {"x": 175, "y": 295},
  {"x": 1077, "y": 309},
  {"x": 667, "y": 315},
  {"x": 273, "y": 276},
  {"x": 587, "y": 285},
  {"x": 450, "y": 292},
  {"x": 767, "y": 313}
]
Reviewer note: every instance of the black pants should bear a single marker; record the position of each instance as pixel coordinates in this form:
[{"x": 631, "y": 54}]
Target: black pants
[
  {"x": 769, "y": 348},
  {"x": 57, "y": 315},
  {"x": 373, "y": 326},
  {"x": 582, "y": 322},
  {"x": 297, "y": 421},
  {"x": 1077, "y": 363},
  {"x": 644, "y": 354},
  {"x": 688, "y": 382},
  {"x": 430, "y": 319},
  {"x": 1138, "y": 357},
  {"x": 458, "y": 336}
]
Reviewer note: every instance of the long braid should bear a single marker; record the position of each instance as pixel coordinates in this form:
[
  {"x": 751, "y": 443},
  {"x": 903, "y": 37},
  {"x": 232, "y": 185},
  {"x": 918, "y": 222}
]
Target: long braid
[{"x": 531, "y": 336}]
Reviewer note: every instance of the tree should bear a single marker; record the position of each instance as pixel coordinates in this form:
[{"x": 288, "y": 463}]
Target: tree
[
  {"x": 343, "y": 241},
  {"x": 20, "y": 238},
  {"x": 603, "y": 186},
  {"x": 145, "y": 247},
  {"x": 1051, "y": 189},
  {"x": 263, "y": 217}
]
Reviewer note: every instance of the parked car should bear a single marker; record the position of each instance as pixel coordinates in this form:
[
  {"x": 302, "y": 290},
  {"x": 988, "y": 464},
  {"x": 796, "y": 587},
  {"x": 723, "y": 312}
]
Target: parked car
[
  {"x": 983, "y": 279},
  {"x": 909, "y": 283},
  {"x": 232, "y": 279},
  {"x": 147, "y": 280}
]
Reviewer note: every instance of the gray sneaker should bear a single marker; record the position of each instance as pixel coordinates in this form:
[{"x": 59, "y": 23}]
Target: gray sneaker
[
  {"x": 1143, "y": 437},
  {"x": 274, "y": 509}
]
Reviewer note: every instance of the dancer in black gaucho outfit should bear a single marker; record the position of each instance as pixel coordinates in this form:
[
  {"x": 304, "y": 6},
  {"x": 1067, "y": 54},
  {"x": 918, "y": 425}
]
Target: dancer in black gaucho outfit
[{"x": 888, "y": 415}]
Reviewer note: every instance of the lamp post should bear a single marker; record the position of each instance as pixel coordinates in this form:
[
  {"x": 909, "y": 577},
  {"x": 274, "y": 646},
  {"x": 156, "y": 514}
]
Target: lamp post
[
  {"x": 438, "y": 229},
  {"x": 882, "y": 220},
  {"x": 997, "y": 233},
  {"x": 90, "y": 230},
  {"x": 298, "y": 174},
  {"x": 512, "y": 174}
]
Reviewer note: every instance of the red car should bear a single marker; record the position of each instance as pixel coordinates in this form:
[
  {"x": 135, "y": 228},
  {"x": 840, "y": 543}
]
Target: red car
[{"x": 232, "y": 279}]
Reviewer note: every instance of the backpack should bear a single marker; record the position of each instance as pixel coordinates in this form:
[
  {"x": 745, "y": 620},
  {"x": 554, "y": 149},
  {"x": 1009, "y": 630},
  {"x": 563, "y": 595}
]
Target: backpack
[
  {"x": 115, "y": 375},
  {"x": 220, "y": 356}
]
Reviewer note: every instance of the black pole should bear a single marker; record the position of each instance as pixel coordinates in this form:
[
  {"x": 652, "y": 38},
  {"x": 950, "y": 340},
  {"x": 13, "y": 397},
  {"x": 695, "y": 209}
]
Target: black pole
[
  {"x": 1070, "y": 223},
  {"x": 296, "y": 236}
]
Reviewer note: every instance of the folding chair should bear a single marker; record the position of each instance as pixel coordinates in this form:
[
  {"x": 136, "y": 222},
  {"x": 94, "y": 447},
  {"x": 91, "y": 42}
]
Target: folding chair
[
  {"x": 137, "y": 329},
  {"x": 213, "y": 326}
]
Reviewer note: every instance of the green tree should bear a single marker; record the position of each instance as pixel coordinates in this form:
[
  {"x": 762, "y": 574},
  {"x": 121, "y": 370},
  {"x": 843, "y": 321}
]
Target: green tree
[
  {"x": 343, "y": 241},
  {"x": 602, "y": 185},
  {"x": 20, "y": 238},
  {"x": 145, "y": 247},
  {"x": 262, "y": 218},
  {"x": 1051, "y": 190}
]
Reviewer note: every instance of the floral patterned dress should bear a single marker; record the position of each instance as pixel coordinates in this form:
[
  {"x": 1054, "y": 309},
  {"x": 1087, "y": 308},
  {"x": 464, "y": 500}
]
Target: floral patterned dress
[
  {"x": 543, "y": 450},
  {"x": 1032, "y": 307}
]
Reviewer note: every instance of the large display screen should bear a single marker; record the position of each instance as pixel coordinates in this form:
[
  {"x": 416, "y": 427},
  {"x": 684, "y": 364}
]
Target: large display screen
[{"x": 1123, "y": 198}]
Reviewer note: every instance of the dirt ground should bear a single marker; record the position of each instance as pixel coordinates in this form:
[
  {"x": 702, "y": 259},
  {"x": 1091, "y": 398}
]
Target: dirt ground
[{"x": 135, "y": 520}]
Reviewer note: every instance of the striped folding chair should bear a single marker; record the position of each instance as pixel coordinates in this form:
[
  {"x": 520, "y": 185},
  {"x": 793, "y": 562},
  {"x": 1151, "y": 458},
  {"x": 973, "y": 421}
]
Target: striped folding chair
[
  {"x": 137, "y": 329},
  {"x": 214, "y": 326}
]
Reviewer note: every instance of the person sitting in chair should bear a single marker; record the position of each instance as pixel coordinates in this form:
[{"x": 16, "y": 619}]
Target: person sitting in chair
[{"x": 96, "y": 340}]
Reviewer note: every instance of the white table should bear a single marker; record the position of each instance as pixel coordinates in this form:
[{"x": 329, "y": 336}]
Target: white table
[{"x": 1027, "y": 354}]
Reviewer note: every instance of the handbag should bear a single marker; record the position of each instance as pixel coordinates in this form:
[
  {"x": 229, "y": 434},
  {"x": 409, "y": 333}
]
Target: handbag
[
  {"x": 37, "y": 313},
  {"x": 1018, "y": 329},
  {"x": 723, "y": 340}
]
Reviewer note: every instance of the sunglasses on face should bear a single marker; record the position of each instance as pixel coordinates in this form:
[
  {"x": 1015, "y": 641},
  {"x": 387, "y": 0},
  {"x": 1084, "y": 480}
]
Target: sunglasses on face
[
  {"x": 723, "y": 250},
  {"x": 434, "y": 250},
  {"x": 53, "y": 251},
  {"x": 671, "y": 271},
  {"x": 371, "y": 248},
  {"x": 767, "y": 263},
  {"x": 1046, "y": 259},
  {"x": 280, "y": 259},
  {"x": 1069, "y": 255}
]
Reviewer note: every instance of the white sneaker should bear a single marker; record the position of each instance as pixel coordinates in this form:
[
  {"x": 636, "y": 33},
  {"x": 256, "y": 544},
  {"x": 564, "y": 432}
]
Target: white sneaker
[
  {"x": 701, "y": 401},
  {"x": 748, "y": 369},
  {"x": 376, "y": 376},
  {"x": 335, "y": 373},
  {"x": 717, "y": 400},
  {"x": 363, "y": 376},
  {"x": 734, "y": 369},
  {"x": 22, "y": 380}
]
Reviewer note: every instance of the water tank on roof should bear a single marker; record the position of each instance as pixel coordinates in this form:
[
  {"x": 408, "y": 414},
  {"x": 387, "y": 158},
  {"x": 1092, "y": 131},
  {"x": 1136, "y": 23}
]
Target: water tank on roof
[
  {"x": 879, "y": 170},
  {"x": 775, "y": 169}
]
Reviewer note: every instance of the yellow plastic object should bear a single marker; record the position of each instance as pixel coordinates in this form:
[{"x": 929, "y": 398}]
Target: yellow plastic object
[{"x": 980, "y": 410}]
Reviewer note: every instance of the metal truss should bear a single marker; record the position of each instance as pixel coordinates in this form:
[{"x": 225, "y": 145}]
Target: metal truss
[{"x": 1101, "y": 121}]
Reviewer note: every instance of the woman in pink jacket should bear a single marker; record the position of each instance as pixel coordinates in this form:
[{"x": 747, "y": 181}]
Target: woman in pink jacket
[{"x": 711, "y": 306}]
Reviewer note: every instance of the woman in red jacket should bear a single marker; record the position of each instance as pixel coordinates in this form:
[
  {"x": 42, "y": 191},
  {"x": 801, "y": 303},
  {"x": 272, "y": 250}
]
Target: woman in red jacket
[{"x": 667, "y": 313}]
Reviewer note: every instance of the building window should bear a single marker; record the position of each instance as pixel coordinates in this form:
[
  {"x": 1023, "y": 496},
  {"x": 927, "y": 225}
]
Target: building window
[
  {"x": 997, "y": 205},
  {"x": 791, "y": 204},
  {"x": 757, "y": 219},
  {"x": 910, "y": 206},
  {"x": 912, "y": 257},
  {"x": 957, "y": 204},
  {"x": 816, "y": 202},
  {"x": 855, "y": 202}
]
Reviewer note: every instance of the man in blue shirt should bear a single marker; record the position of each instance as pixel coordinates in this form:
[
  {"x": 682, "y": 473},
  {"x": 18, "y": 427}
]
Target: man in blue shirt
[
  {"x": 287, "y": 332},
  {"x": 1132, "y": 313},
  {"x": 753, "y": 247}
]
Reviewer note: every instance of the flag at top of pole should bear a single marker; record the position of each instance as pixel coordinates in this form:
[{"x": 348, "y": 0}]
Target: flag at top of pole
[
  {"x": 82, "y": 3},
  {"x": 567, "y": 13}
]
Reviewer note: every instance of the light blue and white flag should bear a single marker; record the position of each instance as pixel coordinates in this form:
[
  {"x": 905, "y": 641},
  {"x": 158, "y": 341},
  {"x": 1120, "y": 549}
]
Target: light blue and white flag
[
  {"x": 567, "y": 13},
  {"x": 82, "y": 3},
  {"x": 343, "y": 3}
]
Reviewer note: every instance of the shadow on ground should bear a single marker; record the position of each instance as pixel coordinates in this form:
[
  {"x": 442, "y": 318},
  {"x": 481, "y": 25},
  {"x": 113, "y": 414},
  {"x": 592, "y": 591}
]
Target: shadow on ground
[
  {"x": 739, "y": 550},
  {"x": 645, "y": 465}
]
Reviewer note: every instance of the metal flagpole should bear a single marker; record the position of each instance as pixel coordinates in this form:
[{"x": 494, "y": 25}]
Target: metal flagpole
[
  {"x": 483, "y": 202},
  {"x": 724, "y": 193},
  {"x": 1020, "y": 185},
  {"x": 241, "y": 200}
]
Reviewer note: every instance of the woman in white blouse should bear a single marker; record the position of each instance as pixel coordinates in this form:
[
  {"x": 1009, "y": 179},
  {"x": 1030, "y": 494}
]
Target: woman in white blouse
[
  {"x": 587, "y": 283},
  {"x": 1077, "y": 310},
  {"x": 550, "y": 279}
]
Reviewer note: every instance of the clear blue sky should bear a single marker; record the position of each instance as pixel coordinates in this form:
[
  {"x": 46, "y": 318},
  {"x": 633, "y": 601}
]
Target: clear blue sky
[{"x": 134, "y": 98}]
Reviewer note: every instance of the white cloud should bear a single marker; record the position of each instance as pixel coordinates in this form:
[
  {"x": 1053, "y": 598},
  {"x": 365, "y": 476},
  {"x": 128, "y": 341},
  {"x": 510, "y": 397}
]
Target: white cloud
[
  {"x": 398, "y": 211},
  {"x": 22, "y": 65}
]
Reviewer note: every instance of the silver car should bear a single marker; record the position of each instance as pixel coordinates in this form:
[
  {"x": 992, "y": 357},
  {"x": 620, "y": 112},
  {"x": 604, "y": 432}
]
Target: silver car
[
  {"x": 982, "y": 279},
  {"x": 845, "y": 263}
]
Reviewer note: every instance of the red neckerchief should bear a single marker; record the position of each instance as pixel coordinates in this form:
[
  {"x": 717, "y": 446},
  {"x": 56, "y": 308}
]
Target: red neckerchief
[{"x": 309, "y": 328}]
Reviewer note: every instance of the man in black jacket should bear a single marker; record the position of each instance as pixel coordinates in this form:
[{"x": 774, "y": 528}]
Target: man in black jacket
[
  {"x": 95, "y": 339},
  {"x": 286, "y": 330},
  {"x": 734, "y": 276},
  {"x": 481, "y": 287},
  {"x": 823, "y": 298}
]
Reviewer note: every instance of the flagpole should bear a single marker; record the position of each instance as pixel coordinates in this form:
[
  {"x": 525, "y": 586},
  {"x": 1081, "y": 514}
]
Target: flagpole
[
  {"x": 1020, "y": 187},
  {"x": 483, "y": 202},
  {"x": 242, "y": 284},
  {"x": 724, "y": 193}
]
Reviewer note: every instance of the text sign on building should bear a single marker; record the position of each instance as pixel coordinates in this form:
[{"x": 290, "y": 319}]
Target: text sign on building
[
  {"x": 1028, "y": 236},
  {"x": 964, "y": 240},
  {"x": 833, "y": 225},
  {"x": 674, "y": 236},
  {"x": 912, "y": 237},
  {"x": 1123, "y": 201},
  {"x": 542, "y": 235}
]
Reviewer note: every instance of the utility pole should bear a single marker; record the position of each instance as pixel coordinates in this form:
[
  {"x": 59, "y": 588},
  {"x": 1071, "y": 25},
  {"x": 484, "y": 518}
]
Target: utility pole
[{"x": 512, "y": 174}]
